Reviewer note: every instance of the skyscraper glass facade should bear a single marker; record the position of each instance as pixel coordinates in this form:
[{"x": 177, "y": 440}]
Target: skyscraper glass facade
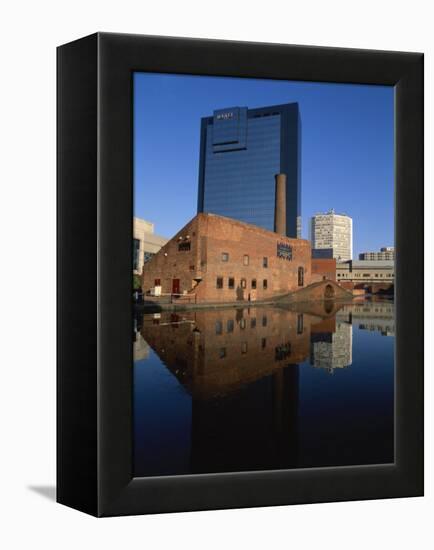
[{"x": 241, "y": 152}]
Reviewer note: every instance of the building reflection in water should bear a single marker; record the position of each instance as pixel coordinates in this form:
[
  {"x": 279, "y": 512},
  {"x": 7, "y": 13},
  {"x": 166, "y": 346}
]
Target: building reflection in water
[
  {"x": 241, "y": 369},
  {"x": 372, "y": 316},
  {"x": 332, "y": 349}
]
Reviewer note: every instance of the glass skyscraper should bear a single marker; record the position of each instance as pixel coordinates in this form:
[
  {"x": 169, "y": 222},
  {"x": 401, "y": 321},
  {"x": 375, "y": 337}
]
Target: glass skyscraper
[{"x": 241, "y": 151}]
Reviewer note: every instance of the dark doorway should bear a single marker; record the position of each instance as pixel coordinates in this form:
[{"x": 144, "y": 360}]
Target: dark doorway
[
  {"x": 176, "y": 286},
  {"x": 300, "y": 276},
  {"x": 329, "y": 292}
]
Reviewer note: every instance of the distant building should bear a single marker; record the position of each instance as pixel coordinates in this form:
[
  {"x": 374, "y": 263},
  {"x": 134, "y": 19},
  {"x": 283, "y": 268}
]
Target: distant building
[
  {"x": 145, "y": 243},
  {"x": 385, "y": 253},
  {"x": 366, "y": 271},
  {"x": 333, "y": 231},
  {"x": 241, "y": 150}
]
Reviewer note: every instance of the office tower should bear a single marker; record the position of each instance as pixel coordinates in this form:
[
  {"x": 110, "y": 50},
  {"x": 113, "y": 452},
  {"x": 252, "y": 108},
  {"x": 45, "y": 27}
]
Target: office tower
[
  {"x": 333, "y": 231},
  {"x": 241, "y": 151}
]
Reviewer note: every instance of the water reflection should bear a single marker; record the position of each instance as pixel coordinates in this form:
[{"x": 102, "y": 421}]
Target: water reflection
[{"x": 234, "y": 390}]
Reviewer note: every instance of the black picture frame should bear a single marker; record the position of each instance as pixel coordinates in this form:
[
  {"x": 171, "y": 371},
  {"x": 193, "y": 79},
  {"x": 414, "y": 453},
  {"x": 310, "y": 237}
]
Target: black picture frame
[{"x": 95, "y": 205}]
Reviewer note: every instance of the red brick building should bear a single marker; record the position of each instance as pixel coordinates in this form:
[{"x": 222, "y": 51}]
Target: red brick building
[
  {"x": 324, "y": 268},
  {"x": 219, "y": 259}
]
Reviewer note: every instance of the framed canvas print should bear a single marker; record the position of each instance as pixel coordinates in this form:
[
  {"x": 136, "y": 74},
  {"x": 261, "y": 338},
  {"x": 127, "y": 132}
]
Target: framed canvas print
[{"x": 240, "y": 274}]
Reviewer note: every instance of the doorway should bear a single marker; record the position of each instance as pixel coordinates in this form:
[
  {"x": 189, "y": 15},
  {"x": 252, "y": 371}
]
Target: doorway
[{"x": 176, "y": 288}]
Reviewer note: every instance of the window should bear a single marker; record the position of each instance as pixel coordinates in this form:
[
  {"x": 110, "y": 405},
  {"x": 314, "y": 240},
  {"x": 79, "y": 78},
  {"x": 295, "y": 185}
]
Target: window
[
  {"x": 300, "y": 276},
  {"x": 253, "y": 322},
  {"x": 300, "y": 323},
  {"x": 157, "y": 282},
  {"x": 253, "y": 283},
  {"x": 265, "y": 284},
  {"x": 282, "y": 352},
  {"x": 222, "y": 353},
  {"x": 231, "y": 282},
  {"x": 242, "y": 324},
  {"x": 366, "y": 274},
  {"x": 225, "y": 257},
  {"x": 230, "y": 325},
  {"x": 147, "y": 256},
  {"x": 219, "y": 283},
  {"x": 264, "y": 321},
  {"x": 243, "y": 347},
  {"x": 263, "y": 343},
  {"x": 264, "y": 262},
  {"x": 219, "y": 327},
  {"x": 243, "y": 283},
  {"x": 246, "y": 259},
  {"x": 136, "y": 248},
  {"x": 184, "y": 247}
]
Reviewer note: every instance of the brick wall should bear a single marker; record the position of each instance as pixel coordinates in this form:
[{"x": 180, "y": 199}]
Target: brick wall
[
  {"x": 325, "y": 267},
  {"x": 195, "y": 257}
]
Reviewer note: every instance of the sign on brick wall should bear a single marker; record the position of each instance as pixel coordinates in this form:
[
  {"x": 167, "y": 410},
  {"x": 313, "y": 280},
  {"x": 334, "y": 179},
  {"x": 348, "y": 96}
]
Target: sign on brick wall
[{"x": 284, "y": 251}]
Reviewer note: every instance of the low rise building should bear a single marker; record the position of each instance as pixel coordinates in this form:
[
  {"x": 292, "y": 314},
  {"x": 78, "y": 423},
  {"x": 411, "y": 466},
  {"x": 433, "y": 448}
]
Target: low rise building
[
  {"x": 219, "y": 259},
  {"x": 385, "y": 253},
  {"x": 145, "y": 243},
  {"x": 366, "y": 271}
]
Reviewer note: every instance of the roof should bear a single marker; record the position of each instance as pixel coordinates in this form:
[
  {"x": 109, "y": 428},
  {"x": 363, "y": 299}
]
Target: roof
[{"x": 248, "y": 226}]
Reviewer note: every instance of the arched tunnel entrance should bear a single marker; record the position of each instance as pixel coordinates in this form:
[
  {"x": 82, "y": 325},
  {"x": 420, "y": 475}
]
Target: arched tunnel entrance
[{"x": 329, "y": 292}]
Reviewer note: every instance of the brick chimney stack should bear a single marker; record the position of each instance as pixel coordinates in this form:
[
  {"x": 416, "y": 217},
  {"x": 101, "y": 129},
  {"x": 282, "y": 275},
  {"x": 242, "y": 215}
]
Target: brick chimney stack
[{"x": 280, "y": 205}]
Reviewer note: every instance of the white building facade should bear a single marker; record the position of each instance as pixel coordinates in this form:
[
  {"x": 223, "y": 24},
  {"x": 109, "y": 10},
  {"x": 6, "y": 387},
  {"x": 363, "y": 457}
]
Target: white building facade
[
  {"x": 333, "y": 231},
  {"x": 366, "y": 271},
  {"x": 385, "y": 253},
  {"x": 145, "y": 243}
]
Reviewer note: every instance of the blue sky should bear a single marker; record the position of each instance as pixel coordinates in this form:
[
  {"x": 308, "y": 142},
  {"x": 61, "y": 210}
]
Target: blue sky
[{"x": 347, "y": 148}]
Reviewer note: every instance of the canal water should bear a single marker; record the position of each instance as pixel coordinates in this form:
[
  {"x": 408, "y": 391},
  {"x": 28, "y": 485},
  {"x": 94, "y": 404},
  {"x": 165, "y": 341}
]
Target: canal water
[{"x": 263, "y": 388}]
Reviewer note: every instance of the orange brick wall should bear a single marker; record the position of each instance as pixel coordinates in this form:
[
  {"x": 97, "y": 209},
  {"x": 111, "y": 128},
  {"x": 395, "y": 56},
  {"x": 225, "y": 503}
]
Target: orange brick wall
[
  {"x": 210, "y": 236},
  {"x": 325, "y": 267}
]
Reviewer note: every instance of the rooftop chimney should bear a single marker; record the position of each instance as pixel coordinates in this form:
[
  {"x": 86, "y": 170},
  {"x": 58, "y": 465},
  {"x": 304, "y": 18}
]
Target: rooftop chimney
[{"x": 280, "y": 205}]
